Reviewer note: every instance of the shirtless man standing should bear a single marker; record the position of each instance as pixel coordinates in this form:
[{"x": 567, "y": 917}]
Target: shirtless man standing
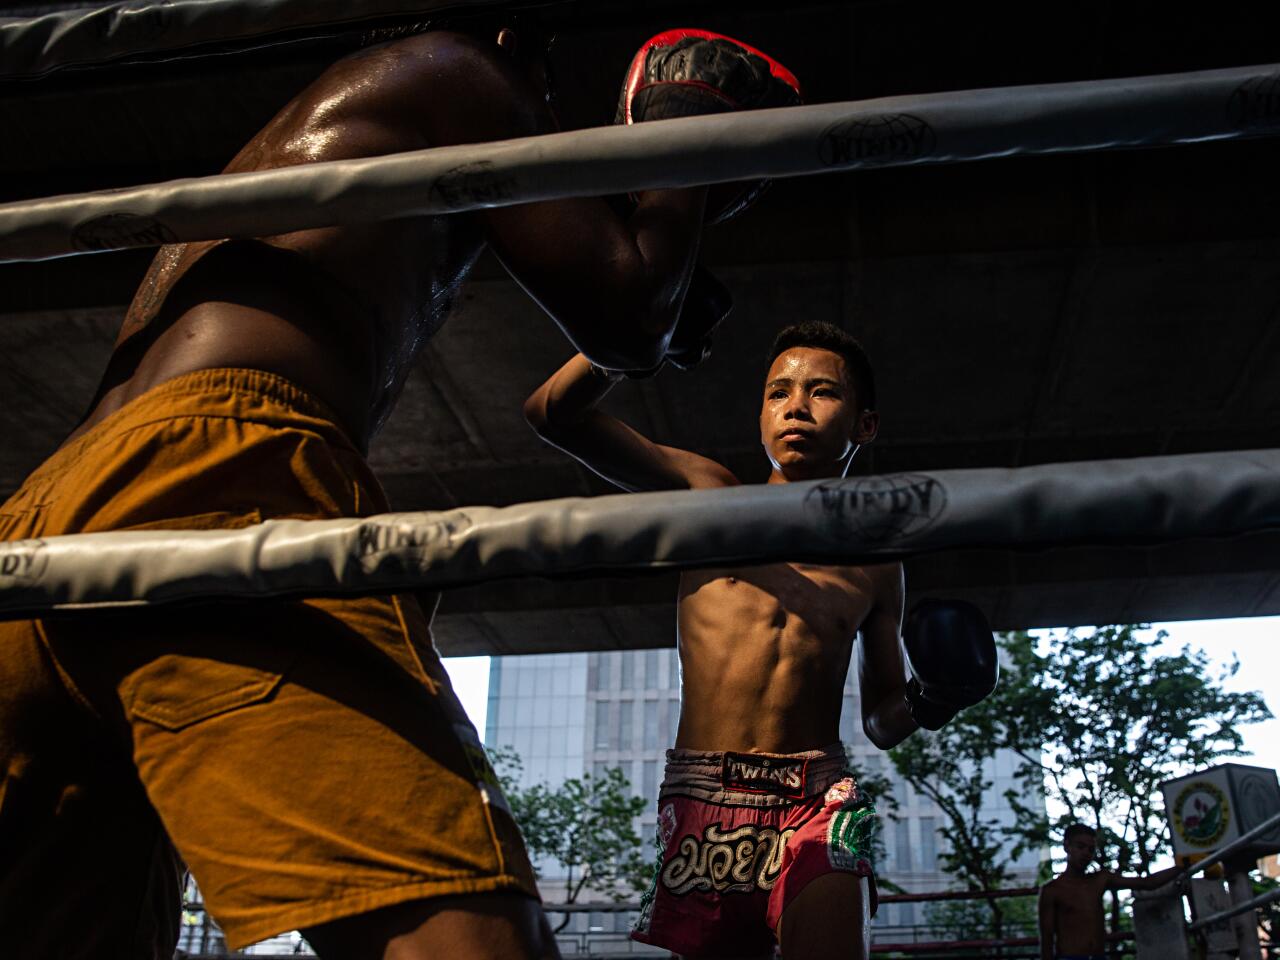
[
  {"x": 307, "y": 760},
  {"x": 765, "y": 836},
  {"x": 1071, "y": 916}
]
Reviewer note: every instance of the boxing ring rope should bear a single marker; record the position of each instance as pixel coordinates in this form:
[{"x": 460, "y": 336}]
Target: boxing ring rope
[
  {"x": 36, "y": 46},
  {"x": 893, "y": 131},
  {"x": 852, "y": 520}
]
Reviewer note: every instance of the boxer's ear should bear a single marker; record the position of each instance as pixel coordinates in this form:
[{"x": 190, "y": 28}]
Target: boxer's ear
[{"x": 866, "y": 427}]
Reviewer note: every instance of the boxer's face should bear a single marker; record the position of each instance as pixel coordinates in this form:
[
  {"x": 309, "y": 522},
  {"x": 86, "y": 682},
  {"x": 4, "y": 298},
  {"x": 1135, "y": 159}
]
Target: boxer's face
[
  {"x": 810, "y": 420},
  {"x": 1081, "y": 849}
]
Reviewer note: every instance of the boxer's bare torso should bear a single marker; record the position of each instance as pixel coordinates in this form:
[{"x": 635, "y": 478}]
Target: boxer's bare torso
[
  {"x": 340, "y": 311},
  {"x": 1074, "y": 901},
  {"x": 344, "y": 311},
  {"x": 765, "y": 650}
]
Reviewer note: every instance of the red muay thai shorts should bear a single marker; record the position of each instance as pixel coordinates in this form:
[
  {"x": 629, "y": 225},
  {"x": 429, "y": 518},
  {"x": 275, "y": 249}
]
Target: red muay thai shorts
[{"x": 740, "y": 835}]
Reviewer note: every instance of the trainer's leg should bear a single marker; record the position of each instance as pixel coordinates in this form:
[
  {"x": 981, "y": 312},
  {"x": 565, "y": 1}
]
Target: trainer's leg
[
  {"x": 493, "y": 926},
  {"x": 829, "y": 918}
]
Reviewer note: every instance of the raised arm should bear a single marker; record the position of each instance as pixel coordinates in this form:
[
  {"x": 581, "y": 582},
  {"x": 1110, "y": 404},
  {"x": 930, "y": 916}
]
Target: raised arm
[
  {"x": 564, "y": 412},
  {"x": 613, "y": 281},
  {"x": 1152, "y": 881}
]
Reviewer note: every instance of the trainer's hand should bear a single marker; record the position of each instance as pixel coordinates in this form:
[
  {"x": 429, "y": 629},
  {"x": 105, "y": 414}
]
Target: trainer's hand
[
  {"x": 689, "y": 73},
  {"x": 951, "y": 654}
]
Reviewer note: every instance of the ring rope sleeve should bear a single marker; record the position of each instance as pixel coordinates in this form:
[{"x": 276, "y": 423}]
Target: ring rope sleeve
[
  {"x": 850, "y": 520},
  {"x": 780, "y": 142}
]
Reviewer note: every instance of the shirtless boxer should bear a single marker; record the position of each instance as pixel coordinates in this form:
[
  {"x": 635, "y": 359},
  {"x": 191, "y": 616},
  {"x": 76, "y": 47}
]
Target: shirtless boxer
[
  {"x": 765, "y": 836},
  {"x": 307, "y": 760},
  {"x": 1071, "y": 916}
]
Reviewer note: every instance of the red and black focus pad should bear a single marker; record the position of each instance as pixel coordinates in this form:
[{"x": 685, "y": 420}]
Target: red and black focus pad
[{"x": 687, "y": 73}]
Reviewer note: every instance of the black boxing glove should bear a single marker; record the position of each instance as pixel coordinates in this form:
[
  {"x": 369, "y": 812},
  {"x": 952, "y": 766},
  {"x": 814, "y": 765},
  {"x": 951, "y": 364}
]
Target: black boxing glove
[
  {"x": 706, "y": 303},
  {"x": 690, "y": 73},
  {"x": 952, "y": 656}
]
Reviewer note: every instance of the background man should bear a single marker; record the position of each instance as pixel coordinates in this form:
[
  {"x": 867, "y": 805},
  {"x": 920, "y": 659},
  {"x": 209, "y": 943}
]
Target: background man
[
  {"x": 757, "y": 775},
  {"x": 1071, "y": 916},
  {"x": 307, "y": 760}
]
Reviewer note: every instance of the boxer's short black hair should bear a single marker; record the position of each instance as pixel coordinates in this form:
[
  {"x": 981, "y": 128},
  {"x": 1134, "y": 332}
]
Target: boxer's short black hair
[
  {"x": 827, "y": 336},
  {"x": 1076, "y": 830}
]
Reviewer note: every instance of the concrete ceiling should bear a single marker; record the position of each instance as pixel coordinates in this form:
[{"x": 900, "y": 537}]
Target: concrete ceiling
[{"x": 1018, "y": 311}]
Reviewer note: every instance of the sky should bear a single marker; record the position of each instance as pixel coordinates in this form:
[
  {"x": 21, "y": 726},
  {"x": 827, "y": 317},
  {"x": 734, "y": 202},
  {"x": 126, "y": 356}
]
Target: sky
[{"x": 1255, "y": 641}]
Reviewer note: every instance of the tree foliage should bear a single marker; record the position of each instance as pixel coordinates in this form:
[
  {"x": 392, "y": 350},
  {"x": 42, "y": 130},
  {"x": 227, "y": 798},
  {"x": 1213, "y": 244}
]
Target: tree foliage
[
  {"x": 585, "y": 824},
  {"x": 1105, "y": 718},
  {"x": 952, "y": 768},
  {"x": 1098, "y": 719}
]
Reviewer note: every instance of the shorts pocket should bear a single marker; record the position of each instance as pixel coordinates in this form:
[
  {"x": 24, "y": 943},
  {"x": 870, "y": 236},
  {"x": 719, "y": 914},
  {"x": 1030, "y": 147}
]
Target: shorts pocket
[
  {"x": 201, "y": 660},
  {"x": 178, "y": 692}
]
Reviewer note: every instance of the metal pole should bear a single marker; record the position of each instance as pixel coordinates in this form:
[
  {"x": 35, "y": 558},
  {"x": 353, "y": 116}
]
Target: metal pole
[
  {"x": 1246, "y": 920},
  {"x": 1261, "y": 900}
]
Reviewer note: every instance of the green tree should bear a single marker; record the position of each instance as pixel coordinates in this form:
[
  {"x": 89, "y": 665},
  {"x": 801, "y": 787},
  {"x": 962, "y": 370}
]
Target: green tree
[
  {"x": 971, "y": 920},
  {"x": 585, "y": 824},
  {"x": 1102, "y": 719},
  {"x": 950, "y": 767}
]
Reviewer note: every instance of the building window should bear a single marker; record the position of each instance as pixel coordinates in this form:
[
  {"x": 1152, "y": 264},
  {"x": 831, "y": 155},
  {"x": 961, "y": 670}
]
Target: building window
[
  {"x": 628, "y": 658},
  {"x": 651, "y": 725},
  {"x": 649, "y": 781},
  {"x": 626, "y": 709},
  {"x": 928, "y": 843},
  {"x": 602, "y": 725},
  {"x": 593, "y": 672},
  {"x": 902, "y": 855},
  {"x": 651, "y": 669}
]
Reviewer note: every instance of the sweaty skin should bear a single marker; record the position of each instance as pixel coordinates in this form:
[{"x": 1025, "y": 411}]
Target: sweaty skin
[
  {"x": 764, "y": 650},
  {"x": 1072, "y": 919},
  {"x": 344, "y": 311}
]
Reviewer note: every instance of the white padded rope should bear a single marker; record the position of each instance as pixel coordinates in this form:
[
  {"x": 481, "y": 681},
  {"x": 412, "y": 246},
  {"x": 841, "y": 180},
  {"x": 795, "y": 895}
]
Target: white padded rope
[
  {"x": 792, "y": 141},
  {"x": 860, "y": 519}
]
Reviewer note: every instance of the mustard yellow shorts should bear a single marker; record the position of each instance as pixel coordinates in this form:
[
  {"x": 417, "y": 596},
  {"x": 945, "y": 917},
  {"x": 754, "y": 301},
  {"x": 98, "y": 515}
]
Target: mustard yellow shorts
[{"x": 307, "y": 760}]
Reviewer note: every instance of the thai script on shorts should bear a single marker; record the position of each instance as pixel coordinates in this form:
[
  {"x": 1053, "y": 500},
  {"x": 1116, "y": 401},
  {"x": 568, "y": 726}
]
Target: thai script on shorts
[{"x": 741, "y": 860}]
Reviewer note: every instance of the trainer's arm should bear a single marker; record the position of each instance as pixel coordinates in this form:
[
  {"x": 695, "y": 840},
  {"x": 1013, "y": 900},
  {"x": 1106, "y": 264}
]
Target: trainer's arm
[
  {"x": 1152, "y": 881},
  {"x": 613, "y": 283},
  {"x": 881, "y": 669},
  {"x": 563, "y": 412}
]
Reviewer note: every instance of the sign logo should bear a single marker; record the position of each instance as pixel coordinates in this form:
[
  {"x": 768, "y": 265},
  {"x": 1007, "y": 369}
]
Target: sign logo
[
  {"x": 23, "y": 561},
  {"x": 752, "y": 773},
  {"x": 879, "y": 509},
  {"x": 376, "y": 538},
  {"x": 472, "y": 184},
  {"x": 1201, "y": 814},
  {"x": 1256, "y": 102},
  {"x": 114, "y": 231},
  {"x": 867, "y": 141}
]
